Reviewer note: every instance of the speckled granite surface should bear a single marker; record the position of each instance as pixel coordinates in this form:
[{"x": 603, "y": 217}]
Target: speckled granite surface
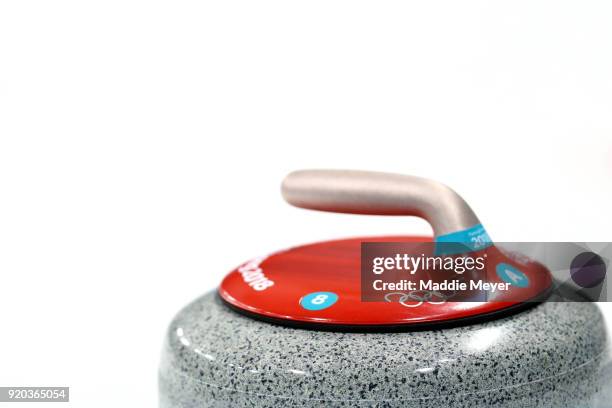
[{"x": 548, "y": 356}]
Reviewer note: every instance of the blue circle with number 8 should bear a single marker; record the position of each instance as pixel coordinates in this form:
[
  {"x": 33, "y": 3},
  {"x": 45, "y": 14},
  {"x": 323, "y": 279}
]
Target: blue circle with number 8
[{"x": 318, "y": 300}]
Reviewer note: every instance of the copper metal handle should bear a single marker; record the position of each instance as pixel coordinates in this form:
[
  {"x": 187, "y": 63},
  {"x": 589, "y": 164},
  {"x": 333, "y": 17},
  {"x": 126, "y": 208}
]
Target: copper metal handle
[{"x": 365, "y": 192}]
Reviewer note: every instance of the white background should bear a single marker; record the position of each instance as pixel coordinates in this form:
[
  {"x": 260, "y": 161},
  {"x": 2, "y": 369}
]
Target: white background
[{"x": 142, "y": 144}]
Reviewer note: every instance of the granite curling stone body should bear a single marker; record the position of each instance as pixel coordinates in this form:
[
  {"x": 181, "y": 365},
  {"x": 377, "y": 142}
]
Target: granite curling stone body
[{"x": 289, "y": 329}]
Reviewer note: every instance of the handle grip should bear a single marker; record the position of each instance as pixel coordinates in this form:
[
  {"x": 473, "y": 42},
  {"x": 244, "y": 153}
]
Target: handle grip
[{"x": 364, "y": 192}]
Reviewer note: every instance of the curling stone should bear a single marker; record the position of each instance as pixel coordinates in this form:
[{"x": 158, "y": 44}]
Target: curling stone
[{"x": 289, "y": 329}]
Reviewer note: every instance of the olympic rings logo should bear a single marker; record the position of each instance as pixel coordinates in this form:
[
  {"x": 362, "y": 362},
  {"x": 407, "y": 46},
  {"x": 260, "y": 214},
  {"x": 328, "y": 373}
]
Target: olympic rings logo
[{"x": 417, "y": 298}]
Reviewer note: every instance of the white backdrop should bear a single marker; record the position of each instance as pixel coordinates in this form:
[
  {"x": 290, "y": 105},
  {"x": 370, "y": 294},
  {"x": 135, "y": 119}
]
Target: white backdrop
[{"x": 142, "y": 144}]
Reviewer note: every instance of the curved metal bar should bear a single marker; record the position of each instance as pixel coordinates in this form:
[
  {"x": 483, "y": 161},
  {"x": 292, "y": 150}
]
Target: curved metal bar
[{"x": 364, "y": 192}]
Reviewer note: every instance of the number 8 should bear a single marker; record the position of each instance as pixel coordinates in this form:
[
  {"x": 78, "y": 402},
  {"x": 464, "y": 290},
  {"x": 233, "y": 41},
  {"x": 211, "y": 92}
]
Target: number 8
[{"x": 319, "y": 299}]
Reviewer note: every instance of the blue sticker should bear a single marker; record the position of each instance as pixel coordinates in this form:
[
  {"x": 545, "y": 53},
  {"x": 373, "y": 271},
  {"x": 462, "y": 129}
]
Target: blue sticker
[
  {"x": 318, "y": 300},
  {"x": 512, "y": 275},
  {"x": 471, "y": 239}
]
